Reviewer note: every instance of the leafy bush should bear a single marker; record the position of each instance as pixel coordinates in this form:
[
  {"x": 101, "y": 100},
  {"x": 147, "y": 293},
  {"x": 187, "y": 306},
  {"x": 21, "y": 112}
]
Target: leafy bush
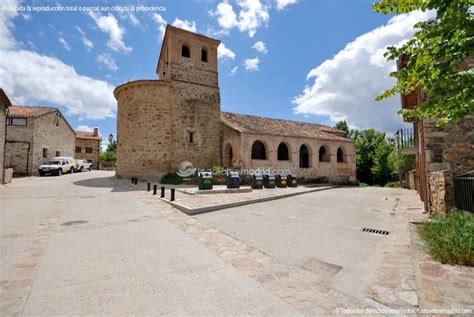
[
  {"x": 171, "y": 178},
  {"x": 450, "y": 238},
  {"x": 392, "y": 184}
]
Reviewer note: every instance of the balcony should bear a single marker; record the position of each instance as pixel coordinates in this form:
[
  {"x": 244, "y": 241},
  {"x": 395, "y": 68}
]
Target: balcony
[{"x": 405, "y": 141}]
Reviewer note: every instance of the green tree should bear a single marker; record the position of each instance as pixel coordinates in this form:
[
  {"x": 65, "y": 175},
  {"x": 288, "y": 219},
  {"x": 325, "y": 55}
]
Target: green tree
[
  {"x": 381, "y": 169},
  {"x": 436, "y": 54},
  {"x": 110, "y": 153},
  {"x": 343, "y": 126}
]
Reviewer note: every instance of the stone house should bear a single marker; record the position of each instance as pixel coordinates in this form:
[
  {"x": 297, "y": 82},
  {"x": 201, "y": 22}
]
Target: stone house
[
  {"x": 4, "y": 104},
  {"x": 34, "y": 136},
  {"x": 162, "y": 123},
  {"x": 87, "y": 146},
  {"x": 442, "y": 152}
]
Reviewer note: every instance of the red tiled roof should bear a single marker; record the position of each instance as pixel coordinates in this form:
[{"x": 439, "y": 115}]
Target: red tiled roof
[
  {"x": 29, "y": 111},
  {"x": 86, "y": 135},
  {"x": 289, "y": 128}
]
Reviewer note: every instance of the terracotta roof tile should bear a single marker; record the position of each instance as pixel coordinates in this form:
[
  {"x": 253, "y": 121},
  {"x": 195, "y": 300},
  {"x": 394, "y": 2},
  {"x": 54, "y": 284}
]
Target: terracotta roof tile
[
  {"x": 28, "y": 111},
  {"x": 289, "y": 128},
  {"x": 86, "y": 135}
]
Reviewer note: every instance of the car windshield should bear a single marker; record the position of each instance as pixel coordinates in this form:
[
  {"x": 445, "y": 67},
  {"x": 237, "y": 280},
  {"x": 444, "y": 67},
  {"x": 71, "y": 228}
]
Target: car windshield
[{"x": 54, "y": 163}]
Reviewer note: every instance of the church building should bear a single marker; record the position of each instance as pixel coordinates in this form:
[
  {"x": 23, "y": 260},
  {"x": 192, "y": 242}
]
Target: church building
[{"x": 177, "y": 118}]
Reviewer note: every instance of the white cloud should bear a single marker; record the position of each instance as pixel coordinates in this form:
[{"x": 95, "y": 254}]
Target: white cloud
[
  {"x": 64, "y": 43},
  {"x": 107, "y": 60},
  {"x": 260, "y": 47},
  {"x": 251, "y": 65},
  {"x": 84, "y": 128},
  {"x": 234, "y": 70},
  {"x": 226, "y": 16},
  {"x": 252, "y": 15},
  {"x": 6, "y": 25},
  {"x": 225, "y": 53},
  {"x": 282, "y": 4},
  {"x": 87, "y": 43},
  {"x": 185, "y": 25},
  {"x": 345, "y": 86},
  {"x": 131, "y": 18},
  {"x": 109, "y": 24},
  {"x": 29, "y": 77},
  {"x": 161, "y": 24}
]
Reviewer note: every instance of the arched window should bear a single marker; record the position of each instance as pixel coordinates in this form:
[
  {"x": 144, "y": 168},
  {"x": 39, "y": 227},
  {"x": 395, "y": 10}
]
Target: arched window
[
  {"x": 258, "y": 151},
  {"x": 324, "y": 154},
  {"x": 185, "y": 52},
  {"x": 340, "y": 155},
  {"x": 304, "y": 156},
  {"x": 283, "y": 152},
  {"x": 204, "y": 55}
]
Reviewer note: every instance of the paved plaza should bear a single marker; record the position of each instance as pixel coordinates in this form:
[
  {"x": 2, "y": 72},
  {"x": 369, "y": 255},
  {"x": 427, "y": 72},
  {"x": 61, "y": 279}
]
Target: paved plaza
[{"x": 88, "y": 244}]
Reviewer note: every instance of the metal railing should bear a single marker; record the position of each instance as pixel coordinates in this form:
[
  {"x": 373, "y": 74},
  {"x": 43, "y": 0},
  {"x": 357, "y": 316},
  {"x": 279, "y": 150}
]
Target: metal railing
[
  {"x": 405, "y": 138},
  {"x": 464, "y": 191}
]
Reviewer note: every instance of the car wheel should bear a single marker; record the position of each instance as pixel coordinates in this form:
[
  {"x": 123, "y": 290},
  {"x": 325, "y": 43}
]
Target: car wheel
[
  {"x": 90, "y": 169},
  {"x": 72, "y": 170},
  {"x": 41, "y": 174},
  {"x": 60, "y": 172}
]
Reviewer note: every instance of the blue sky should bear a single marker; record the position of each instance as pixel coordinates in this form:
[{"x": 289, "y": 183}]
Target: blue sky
[{"x": 310, "y": 60}]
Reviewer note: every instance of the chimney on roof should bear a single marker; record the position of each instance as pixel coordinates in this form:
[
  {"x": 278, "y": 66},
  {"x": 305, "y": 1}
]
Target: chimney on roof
[{"x": 96, "y": 131}]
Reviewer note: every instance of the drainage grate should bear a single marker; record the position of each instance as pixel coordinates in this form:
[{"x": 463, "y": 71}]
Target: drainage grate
[
  {"x": 73, "y": 223},
  {"x": 376, "y": 231}
]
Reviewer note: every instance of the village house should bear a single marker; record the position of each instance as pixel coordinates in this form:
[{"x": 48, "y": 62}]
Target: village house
[
  {"x": 4, "y": 104},
  {"x": 87, "y": 146},
  {"x": 34, "y": 136},
  {"x": 162, "y": 123},
  {"x": 442, "y": 152}
]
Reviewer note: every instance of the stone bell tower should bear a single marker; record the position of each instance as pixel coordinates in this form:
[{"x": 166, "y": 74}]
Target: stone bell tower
[{"x": 189, "y": 61}]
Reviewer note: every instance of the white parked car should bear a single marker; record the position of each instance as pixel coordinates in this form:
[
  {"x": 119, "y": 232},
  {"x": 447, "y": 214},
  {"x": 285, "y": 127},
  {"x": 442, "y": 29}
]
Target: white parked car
[
  {"x": 83, "y": 165},
  {"x": 87, "y": 165},
  {"x": 70, "y": 161},
  {"x": 55, "y": 167}
]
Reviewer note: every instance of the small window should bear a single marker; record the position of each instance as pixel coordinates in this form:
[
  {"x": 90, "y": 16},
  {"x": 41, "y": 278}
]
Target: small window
[
  {"x": 88, "y": 150},
  {"x": 45, "y": 152},
  {"x": 185, "y": 52},
  {"x": 78, "y": 149},
  {"x": 17, "y": 121},
  {"x": 58, "y": 153},
  {"x": 190, "y": 137},
  {"x": 204, "y": 55}
]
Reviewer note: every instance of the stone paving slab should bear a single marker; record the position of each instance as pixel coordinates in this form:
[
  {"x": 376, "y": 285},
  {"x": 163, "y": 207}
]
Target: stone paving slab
[{"x": 197, "y": 204}]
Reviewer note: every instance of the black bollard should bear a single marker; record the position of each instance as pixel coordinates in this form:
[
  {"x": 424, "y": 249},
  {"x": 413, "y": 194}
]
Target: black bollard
[
  {"x": 162, "y": 192},
  {"x": 172, "y": 194},
  {"x": 154, "y": 189},
  {"x": 148, "y": 187},
  {"x": 133, "y": 180}
]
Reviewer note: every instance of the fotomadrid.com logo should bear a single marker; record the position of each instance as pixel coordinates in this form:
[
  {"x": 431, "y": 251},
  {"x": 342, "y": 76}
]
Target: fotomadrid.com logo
[{"x": 186, "y": 169}]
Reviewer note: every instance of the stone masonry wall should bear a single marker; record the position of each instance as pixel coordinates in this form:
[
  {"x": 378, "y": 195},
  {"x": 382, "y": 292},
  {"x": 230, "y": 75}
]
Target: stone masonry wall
[
  {"x": 54, "y": 134},
  {"x": 83, "y": 144},
  {"x": 196, "y": 109},
  {"x": 450, "y": 147},
  {"x": 19, "y": 144},
  {"x": 441, "y": 190},
  {"x": 144, "y": 128},
  {"x": 2, "y": 139}
]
